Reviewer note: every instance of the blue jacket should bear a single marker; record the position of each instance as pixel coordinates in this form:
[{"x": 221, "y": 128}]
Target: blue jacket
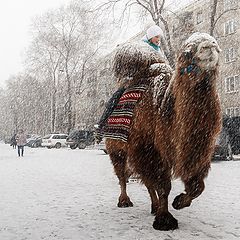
[{"x": 156, "y": 47}]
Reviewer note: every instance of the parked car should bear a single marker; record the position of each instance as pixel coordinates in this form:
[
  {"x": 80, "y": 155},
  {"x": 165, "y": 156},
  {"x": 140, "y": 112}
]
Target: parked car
[
  {"x": 80, "y": 139},
  {"x": 55, "y": 140},
  {"x": 235, "y": 143},
  {"x": 228, "y": 142},
  {"x": 223, "y": 150},
  {"x": 34, "y": 143},
  {"x": 32, "y": 138},
  {"x": 232, "y": 124}
]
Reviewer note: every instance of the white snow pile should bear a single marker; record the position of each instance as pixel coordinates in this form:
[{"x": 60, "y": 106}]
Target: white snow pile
[
  {"x": 142, "y": 48},
  {"x": 159, "y": 84},
  {"x": 160, "y": 67}
]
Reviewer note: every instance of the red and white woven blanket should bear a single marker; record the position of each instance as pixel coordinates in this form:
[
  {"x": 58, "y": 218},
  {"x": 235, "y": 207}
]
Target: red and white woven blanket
[{"x": 119, "y": 122}]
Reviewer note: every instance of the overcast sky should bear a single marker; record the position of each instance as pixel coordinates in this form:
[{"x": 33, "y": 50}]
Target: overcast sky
[{"x": 15, "y": 19}]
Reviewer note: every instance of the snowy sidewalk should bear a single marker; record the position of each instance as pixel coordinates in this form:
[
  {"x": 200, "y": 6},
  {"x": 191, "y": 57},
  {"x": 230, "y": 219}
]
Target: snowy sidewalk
[{"x": 69, "y": 194}]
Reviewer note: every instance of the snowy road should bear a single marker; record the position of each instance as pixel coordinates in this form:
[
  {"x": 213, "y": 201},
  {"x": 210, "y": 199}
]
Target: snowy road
[{"x": 65, "y": 194}]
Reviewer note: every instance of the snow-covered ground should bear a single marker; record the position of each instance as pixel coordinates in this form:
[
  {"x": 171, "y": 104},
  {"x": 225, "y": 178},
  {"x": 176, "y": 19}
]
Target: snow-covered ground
[{"x": 72, "y": 194}]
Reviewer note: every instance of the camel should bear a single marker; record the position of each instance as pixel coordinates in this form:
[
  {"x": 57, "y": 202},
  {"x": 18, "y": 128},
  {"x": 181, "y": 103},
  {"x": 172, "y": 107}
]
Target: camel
[{"x": 173, "y": 132}]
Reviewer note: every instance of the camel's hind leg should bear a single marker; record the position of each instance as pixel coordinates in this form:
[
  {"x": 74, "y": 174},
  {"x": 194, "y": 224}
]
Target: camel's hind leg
[
  {"x": 193, "y": 188},
  {"x": 119, "y": 163}
]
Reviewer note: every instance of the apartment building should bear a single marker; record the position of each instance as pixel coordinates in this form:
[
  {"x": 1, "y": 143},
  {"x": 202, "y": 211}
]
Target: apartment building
[{"x": 197, "y": 17}]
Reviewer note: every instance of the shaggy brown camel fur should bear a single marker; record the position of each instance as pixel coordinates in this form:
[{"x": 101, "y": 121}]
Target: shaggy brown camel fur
[{"x": 174, "y": 135}]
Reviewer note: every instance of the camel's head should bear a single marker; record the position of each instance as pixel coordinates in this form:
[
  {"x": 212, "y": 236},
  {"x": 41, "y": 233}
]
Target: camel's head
[{"x": 200, "y": 50}]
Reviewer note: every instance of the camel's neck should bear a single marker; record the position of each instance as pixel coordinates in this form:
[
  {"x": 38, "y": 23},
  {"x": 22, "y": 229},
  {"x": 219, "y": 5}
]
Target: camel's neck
[
  {"x": 195, "y": 84},
  {"x": 205, "y": 85},
  {"x": 196, "y": 121},
  {"x": 196, "y": 95},
  {"x": 190, "y": 92}
]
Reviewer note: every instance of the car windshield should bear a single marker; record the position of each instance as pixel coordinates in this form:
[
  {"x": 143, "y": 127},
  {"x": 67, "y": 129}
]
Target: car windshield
[
  {"x": 78, "y": 134},
  {"x": 73, "y": 134},
  {"x": 47, "y": 136}
]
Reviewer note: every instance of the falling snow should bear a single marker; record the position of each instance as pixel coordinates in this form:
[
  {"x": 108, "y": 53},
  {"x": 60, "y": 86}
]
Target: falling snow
[{"x": 64, "y": 84}]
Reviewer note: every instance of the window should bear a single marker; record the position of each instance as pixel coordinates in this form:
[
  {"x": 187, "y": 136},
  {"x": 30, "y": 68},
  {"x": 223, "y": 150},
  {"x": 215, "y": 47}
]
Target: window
[
  {"x": 56, "y": 137},
  {"x": 237, "y": 111},
  {"x": 230, "y": 54},
  {"x": 199, "y": 17},
  {"x": 230, "y": 4},
  {"x": 233, "y": 111},
  {"x": 187, "y": 17},
  {"x": 230, "y": 27},
  {"x": 231, "y": 84},
  {"x": 62, "y": 136},
  {"x": 187, "y": 20}
]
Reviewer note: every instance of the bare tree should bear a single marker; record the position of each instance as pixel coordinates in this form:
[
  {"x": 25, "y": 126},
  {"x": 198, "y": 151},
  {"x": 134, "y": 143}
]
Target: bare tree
[
  {"x": 67, "y": 42},
  {"x": 58, "y": 82},
  {"x": 24, "y": 105},
  {"x": 215, "y": 16},
  {"x": 44, "y": 62}
]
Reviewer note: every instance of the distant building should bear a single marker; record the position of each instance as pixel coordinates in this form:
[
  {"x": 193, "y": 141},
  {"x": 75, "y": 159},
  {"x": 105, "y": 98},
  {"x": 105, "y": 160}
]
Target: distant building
[{"x": 196, "y": 17}]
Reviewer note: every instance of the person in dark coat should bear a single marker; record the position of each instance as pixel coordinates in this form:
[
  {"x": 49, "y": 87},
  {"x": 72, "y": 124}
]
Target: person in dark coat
[{"x": 14, "y": 141}]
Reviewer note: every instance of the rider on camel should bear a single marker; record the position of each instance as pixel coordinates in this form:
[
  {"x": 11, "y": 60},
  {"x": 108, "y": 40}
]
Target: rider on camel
[{"x": 152, "y": 38}]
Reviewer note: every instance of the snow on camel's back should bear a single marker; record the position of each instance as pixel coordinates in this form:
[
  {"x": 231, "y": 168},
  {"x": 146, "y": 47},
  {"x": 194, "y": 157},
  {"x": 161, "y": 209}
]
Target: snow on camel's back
[{"x": 173, "y": 130}]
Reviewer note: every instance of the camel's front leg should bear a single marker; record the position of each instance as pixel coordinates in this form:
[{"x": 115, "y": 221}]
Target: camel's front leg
[
  {"x": 119, "y": 163},
  {"x": 154, "y": 200},
  {"x": 164, "y": 220},
  {"x": 193, "y": 188},
  {"x": 124, "y": 200}
]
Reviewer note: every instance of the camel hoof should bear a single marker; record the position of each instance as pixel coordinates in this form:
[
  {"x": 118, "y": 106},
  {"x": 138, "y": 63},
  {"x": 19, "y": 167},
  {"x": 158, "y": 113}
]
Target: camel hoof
[
  {"x": 180, "y": 202},
  {"x": 165, "y": 222},
  {"x": 125, "y": 204}
]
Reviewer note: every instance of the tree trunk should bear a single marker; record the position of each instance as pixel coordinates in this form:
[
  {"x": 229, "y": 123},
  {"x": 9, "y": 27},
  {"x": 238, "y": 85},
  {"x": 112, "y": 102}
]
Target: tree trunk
[
  {"x": 69, "y": 105},
  {"x": 53, "y": 110},
  {"x": 212, "y": 17}
]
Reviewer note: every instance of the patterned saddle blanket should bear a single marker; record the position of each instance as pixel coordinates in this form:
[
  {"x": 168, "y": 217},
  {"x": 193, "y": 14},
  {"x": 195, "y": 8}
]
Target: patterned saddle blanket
[{"x": 119, "y": 123}]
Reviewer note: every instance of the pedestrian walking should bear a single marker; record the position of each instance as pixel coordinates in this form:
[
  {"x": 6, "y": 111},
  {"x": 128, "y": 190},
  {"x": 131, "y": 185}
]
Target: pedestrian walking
[{"x": 21, "y": 141}]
